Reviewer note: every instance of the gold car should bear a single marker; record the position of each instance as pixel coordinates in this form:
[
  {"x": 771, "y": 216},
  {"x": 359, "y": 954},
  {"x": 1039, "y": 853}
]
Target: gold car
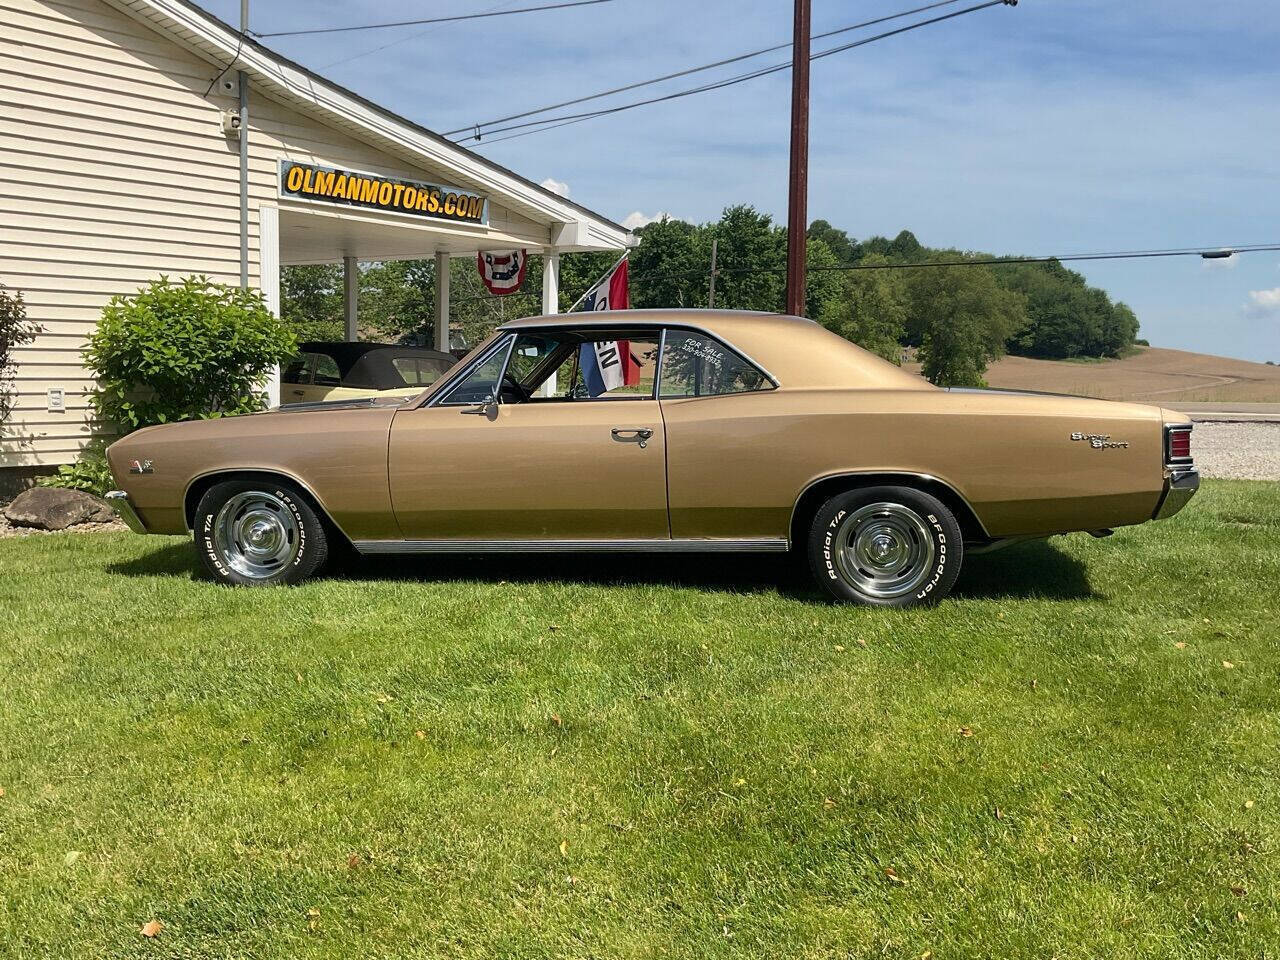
[{"x": 662, "y": 431}]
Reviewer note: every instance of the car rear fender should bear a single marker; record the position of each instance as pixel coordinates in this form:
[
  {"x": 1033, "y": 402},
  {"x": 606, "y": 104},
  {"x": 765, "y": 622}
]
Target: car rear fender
[{"x": 818, "y": 491}]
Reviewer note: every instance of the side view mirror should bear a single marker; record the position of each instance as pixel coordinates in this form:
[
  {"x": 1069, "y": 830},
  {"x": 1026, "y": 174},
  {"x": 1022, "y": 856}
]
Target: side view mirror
[{"x": 487, "y": 408}]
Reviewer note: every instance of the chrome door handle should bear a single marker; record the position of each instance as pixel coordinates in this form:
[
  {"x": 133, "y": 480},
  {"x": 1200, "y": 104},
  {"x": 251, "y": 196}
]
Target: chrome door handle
[{"x": 638, "y": 435}]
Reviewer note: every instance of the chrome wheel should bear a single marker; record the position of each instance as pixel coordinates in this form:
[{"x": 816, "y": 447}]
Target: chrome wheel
[
  {"x": 256, "y": 534},
  {"x": 884, "y": 550}
]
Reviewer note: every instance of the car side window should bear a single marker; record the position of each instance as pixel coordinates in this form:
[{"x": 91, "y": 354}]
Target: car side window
[
  {"x": 298, "y": 370},
  {"x": 569, "y": 367},
  {"x": 327, "y": 373},
  {"x": 696, "y": 365},
  {"x": 419, "y": 371},
  {"x": 482, "y": 382}
]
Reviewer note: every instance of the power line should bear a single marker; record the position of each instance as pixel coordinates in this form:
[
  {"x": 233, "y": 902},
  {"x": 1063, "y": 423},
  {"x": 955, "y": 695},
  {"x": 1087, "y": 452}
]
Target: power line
[
  {"x": 691, "y": 70},
  {"x": 405, "y": 39},
  {"x": 564, "y": 119},
  {"x": 414, "y": 23},
  {"x": 1207, "y": 253}
]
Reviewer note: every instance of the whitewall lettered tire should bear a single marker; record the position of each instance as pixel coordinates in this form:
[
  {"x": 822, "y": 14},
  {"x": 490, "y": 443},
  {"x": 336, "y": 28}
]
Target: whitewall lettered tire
[
  {"x": 885, "y": 547},
  {"x": 259, "y": 533}
]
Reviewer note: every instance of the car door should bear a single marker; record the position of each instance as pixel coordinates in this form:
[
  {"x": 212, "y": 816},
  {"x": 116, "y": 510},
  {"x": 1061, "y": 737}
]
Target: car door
[
  {"x": 310, "y": 378},
  {"x": 295, "y": 379},
  {"x": 723, "y": 423},
  {"x": 538, "y": 464}
]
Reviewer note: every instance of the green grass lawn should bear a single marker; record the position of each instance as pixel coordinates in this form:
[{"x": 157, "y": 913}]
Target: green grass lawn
[{"x": 615, "y": 757}]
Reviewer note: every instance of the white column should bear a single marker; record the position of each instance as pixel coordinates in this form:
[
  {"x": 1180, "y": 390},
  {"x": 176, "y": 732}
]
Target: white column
[
  {"x": 550, "y": 302},
  {"x": 350, "y": 299},
  {"x": 269, "y": 281},
  {"x": 442, "y": 300},
  {"x": 550, "y": 281}
]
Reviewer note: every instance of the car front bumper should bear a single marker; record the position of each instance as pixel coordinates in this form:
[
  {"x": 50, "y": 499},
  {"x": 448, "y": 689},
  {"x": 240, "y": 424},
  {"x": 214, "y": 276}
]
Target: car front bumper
[
  {"x": 1180, "y": 487},
  {"x": 119, "y": 501}
]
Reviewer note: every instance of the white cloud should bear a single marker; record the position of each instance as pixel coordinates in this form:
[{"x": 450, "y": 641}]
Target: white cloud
[
  {"x": 558, "y": 187},
  {"x": 635, "y": 220},
  {"x": 1263, "y": 303}
]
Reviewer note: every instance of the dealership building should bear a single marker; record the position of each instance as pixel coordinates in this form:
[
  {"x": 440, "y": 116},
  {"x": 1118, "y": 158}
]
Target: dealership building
[{"x": 141, "y": 138}]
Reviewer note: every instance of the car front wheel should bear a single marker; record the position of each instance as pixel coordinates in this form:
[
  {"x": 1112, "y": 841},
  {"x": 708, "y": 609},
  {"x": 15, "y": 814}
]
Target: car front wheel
[
  {"x": 259, "y": 533},
  {"x": 886, "y": 547}
]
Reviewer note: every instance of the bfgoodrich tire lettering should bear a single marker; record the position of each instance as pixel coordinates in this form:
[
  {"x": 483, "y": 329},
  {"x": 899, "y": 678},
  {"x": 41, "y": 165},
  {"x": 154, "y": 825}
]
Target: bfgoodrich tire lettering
[
  {"x": 885, "y": 546},
  {"x": 259, "y": 533}
]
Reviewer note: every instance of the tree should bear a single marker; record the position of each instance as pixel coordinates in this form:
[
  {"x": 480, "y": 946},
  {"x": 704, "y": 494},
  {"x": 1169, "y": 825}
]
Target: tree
[
  {"x": 964, "y": 318},
  {"x": 187, "y": 350},
  {"x": 841, "y": 244},
  {"x": 751, "y": 258},
  {"x": 906, "y": 247},
  {"x": 871, "y": 311},
  {"x": 665, "y": 267},
  {"x": 311, "y": 301},
  {"x": 398, "y": 300},
  {"x": 15, "y": 331},
  {"x": 1119, "y": 330},
  {"x": 824, "y": 286}
]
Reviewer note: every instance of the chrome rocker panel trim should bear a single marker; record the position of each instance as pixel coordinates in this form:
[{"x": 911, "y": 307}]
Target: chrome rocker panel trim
[
  {"x": 1179, "y": 488},
  {"x": 119, "y": 501},
  {"x": 758, "y": 545}
]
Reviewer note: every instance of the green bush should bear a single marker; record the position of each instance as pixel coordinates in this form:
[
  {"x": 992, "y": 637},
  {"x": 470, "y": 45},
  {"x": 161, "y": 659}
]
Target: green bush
[
  {"x": 182, "y": 351},
  {"x": 89, "y": 473},
  {"x": 15, "y": 330}
]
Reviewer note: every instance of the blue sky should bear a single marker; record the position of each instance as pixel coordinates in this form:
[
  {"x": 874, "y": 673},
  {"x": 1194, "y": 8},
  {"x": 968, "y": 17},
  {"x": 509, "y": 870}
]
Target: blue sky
[{"x": 1057, "y": 126}]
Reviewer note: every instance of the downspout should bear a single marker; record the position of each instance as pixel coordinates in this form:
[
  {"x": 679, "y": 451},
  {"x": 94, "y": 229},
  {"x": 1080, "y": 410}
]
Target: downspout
[{"x": 243, "y": 84}]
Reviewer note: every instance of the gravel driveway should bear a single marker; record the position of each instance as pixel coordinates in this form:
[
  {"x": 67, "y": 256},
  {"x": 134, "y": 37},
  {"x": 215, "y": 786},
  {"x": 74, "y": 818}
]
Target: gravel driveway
[{"x": 1242, "y": 451}]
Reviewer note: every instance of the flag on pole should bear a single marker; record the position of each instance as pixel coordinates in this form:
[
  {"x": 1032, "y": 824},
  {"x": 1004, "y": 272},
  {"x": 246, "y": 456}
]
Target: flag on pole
[
  {"x": 503, "y": 270},
  {"x": 607, "y": 365},
  {"x": 611, "y": 293}
]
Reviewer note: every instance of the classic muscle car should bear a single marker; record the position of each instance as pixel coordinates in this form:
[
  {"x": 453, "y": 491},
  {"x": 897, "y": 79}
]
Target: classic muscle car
[{"x": 667, "y": 430}]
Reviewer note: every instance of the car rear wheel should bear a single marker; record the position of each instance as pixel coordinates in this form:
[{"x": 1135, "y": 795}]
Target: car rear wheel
[
  {"x": 258, "y": 533},
  {"x": 885, "y": 547}
]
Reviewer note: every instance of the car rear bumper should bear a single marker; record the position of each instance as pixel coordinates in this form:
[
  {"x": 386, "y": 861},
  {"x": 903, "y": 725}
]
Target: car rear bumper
[
  {"x": 1180, "y": 487},
  {"x": 119, "y": 501}
]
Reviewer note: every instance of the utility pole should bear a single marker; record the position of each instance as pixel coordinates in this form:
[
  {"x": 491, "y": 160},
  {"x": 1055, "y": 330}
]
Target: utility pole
[
  {"x": 798, "y": 202},
  {"x": 711, "y": 296}
]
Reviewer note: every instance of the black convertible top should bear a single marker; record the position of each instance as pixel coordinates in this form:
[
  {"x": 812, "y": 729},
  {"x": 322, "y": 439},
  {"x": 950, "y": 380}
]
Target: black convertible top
[{"x": 369, "y": 365}]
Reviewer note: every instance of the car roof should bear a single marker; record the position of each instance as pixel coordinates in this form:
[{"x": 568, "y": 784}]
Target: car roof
[
  {"x": 352, "y": 350},
  {"x": 794, "y": 351},
  {"x": 369, "y": 365},
  {"x": 635, "y": 318}
]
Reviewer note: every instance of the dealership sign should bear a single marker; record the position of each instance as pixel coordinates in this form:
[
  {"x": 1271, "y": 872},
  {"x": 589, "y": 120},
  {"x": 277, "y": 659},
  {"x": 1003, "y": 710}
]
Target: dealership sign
[{"x": 303, "y": 181}]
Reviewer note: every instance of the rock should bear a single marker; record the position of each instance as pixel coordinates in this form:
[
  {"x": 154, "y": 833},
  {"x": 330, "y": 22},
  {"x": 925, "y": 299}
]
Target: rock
[{"x": 54, "y": 508}]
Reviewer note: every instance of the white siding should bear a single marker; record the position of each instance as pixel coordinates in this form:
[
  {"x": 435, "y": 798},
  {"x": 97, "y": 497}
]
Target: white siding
[{"x": 114, "y": 170}]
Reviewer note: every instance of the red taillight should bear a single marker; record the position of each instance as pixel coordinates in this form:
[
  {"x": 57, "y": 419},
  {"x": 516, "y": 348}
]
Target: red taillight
[{"x": 1180, "y": 444}]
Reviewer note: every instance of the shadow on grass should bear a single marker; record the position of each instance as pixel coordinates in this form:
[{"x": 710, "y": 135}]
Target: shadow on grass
[
  {"x": 1036, "y": 569},
  {"x": 1024, "y": 571},
  {"x": 174, "y": 559}
]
